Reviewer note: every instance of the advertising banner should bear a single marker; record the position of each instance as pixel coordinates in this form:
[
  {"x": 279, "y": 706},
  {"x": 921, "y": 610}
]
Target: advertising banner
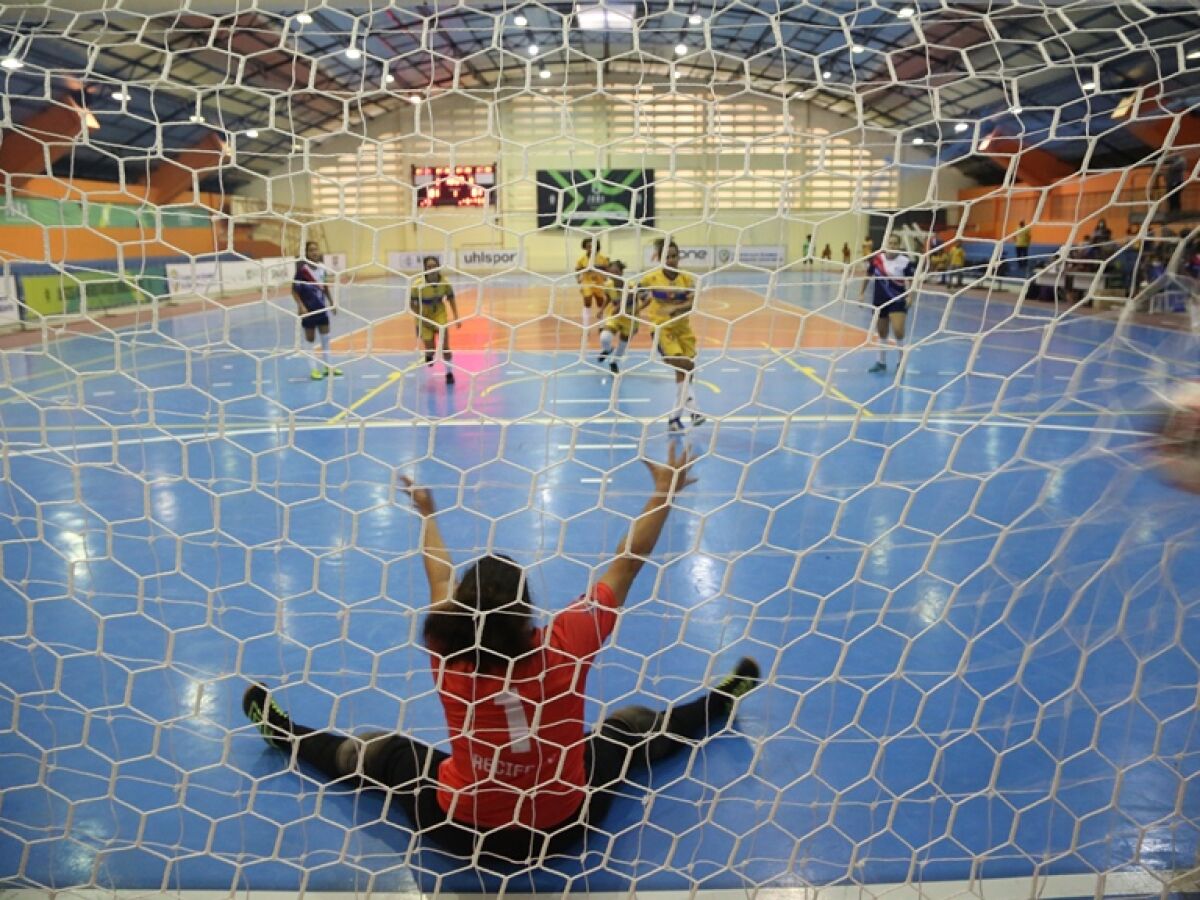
[
  {"x": 414, "y": 260},
  {"x": 595, "y": 198},
  {"x": 490, "y": 258}
]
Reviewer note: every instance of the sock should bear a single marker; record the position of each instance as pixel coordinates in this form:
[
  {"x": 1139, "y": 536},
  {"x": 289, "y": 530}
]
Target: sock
[
  {"x": 681, "y": 395},
  {"x": 622, "y": 346},
  {"x": 587, "y": 317},
  {"x": 606, "y": 342},
  {"x": 325, "y": 348},
  {"x": 447, "y": 356},
  {"x": 883, "y": 353},
  {"x": 429, "y": 357}
]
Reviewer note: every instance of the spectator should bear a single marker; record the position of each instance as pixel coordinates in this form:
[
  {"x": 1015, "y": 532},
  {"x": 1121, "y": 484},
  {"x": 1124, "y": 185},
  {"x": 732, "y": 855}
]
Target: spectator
[
  {"x": 846, "y": 254},
  {"x": 1176, "y": 175},
  {"x": 1102, "y": 234},
  {"x": 827, "y": 253},
  {"x": 958, "y": 263},
  {"x": 1021, "y": 242}
]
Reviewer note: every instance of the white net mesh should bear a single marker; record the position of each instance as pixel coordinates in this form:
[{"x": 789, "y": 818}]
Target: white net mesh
[{"x": 974, "y": 604}]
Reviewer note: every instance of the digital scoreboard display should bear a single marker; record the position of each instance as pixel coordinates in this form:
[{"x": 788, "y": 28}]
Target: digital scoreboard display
[{"x": 464, "y": 187}]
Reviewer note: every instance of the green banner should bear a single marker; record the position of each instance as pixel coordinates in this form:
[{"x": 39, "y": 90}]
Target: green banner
[
  {"x": 72, "y": 214},
  {"x": 594, "y": 198},
  {"x": 56, "y": 295}
]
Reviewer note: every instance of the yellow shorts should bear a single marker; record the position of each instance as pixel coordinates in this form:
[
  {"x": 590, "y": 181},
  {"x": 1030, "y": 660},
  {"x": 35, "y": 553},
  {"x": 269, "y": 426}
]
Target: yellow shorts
[
  {"x": 675, "y": 338},
  {"x": 625, "y": 326},
  {"x": 431, "y": 320},
  {"x": 594, "y": 292}
]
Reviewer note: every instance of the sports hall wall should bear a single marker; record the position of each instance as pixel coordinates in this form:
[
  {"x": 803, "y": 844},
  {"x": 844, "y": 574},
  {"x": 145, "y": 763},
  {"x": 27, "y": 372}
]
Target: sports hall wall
[
  {"x": 80, "y": 244},
  {"x": 759, "y": 171}
]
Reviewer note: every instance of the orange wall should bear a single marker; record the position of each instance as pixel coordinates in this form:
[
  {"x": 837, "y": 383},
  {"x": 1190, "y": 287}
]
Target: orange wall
[
  {"x": 1063, "y": 214},
  {"x": 34, "y": 243}
]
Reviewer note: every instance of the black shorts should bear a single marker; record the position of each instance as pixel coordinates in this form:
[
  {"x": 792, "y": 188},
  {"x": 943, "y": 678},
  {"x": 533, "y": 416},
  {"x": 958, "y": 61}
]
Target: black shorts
[
  {"x": 888, "y": 307},
  {"x": 315, "y": 318},
  {"x": 409, "y": 769}
]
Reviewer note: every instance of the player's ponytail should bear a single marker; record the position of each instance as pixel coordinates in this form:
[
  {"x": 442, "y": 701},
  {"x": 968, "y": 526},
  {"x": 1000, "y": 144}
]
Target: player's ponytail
[{"x": 488, "y": 621}]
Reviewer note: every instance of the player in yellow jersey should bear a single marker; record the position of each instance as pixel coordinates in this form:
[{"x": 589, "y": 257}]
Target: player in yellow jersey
[
  {"x": 667, "y": 295},
  {"x": 621, "y": 321},
  {"x": 428, "y": 298},
  {"x": 591, "y": 273}
]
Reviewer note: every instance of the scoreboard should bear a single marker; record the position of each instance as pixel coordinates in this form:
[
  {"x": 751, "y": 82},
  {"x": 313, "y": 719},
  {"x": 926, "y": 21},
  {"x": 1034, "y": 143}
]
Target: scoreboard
[{"x": 464, "y": 187}]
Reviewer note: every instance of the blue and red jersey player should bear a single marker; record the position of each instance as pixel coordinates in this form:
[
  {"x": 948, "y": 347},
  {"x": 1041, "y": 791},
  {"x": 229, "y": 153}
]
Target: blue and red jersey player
[{"x": 889, "y": 275}]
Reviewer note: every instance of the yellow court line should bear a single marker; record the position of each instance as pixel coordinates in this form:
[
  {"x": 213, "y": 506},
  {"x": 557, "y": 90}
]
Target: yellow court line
[
  {"x": 811, "y": 373},
  {"x": 522, "y": 378},
  {"x": 374, "y": 392}
]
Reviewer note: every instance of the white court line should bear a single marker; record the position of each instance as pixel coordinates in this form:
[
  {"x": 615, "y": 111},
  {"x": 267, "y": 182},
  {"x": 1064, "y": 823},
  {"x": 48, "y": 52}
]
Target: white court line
[
  {"x": 597, "y": 446},
  {"x": 733, "y": 369},
  {"x": 591, "y": 480},
  {"x": 369, "y": 377},
  {"x": 1152, "y": 883},
  {"x": 103, "y": 393},
  {"x": 601, "y": 400},
  {"x": 285, "y": 428},
  {"x": 222, "y": 384}
]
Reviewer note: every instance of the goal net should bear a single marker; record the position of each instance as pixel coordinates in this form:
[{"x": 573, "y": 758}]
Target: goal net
[{"x": 924, "y": 502}]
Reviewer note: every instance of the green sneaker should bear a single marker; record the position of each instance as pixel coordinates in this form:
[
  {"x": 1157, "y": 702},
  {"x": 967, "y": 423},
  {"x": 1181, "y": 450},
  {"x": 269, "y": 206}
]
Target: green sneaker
[
  {"x": 332, "y": 371},
  {"x": 261, "y": 709},
  {"x": 742, "y": 680},
  {"x": 317, "y": 374}
]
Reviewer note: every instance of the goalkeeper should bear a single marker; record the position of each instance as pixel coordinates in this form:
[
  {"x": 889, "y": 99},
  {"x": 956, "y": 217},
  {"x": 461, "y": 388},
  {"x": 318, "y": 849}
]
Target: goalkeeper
[{"x": 522, "y": 778}]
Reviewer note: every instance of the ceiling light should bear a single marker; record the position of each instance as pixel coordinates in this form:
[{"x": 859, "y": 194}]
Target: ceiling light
[
  {"x": 120, "y": 95},
  {"x": 196, "y": 119},
  {"x": 532, "y": 49},
  {"x": 414, "y": 99},
  {"x": 304, "y": 19},
  {"x": 1089, "y": 85},
  {"x": 545, "y": 73},
  {"x": 826, "y": 74},
  {"x": 520, "y": 21},
  {"x": 960, "y": 127},
  {"x": 906, "y": 13},
  {"x": 695, "y": 19},
  {"x": 681, "y": 49},
  {"x": 859, "y": 48},
  {"x": 11, "y": 62},
  {"x": 1195, "y": 54},
  {"x": 1017, "y": 110},
  {"x": 353, "y": 53},
  {"x": 252, "y": 133},
  {"x": 918, "y": 141},
  {"x": 388, "y": 78}
]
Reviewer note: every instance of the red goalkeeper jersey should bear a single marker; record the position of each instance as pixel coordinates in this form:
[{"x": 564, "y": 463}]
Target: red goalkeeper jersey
[{"x": 517, "y": 745}]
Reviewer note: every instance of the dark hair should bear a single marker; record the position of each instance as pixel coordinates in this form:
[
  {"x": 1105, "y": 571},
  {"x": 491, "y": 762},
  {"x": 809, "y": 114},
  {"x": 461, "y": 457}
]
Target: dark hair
[
  {"x": 425, "y": 260},
  {"x": 487, "y": 621}
]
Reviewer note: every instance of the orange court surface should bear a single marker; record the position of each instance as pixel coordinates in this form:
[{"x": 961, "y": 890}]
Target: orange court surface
[{"x": 538, "y": 318}]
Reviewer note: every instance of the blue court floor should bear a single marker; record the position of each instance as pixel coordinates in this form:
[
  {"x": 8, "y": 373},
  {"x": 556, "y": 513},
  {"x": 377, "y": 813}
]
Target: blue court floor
[{"x": 977, "y": 607}]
